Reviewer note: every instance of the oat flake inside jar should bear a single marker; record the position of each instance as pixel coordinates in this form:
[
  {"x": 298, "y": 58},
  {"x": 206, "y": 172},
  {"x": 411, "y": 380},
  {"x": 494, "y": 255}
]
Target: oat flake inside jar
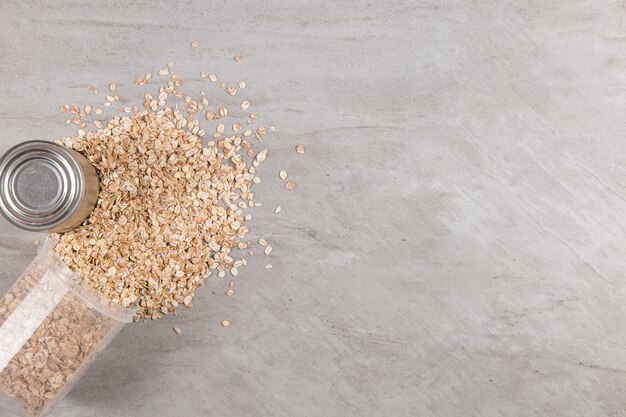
[{"x": 52, "y": 326}]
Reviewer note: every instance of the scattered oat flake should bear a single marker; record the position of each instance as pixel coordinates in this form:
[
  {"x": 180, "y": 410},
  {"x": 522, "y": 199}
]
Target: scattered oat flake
[
  {"x": 282, "y": 174},
  {"x": 242, "y": 84},
  {"x": 213, "y": 77},
  {"x": 171, "y": 64},
  {"x": 300, "y": 148},
  {"x": 176, "y": 330},
  {"x": 238, "y": 57},
  {"x": 65, "y": 108},
  {"x": 262, "y": 242},
  {"x": 164, "y": 71},
  {"x": 260, "y": 157},
  {"x": 278, "y": 209},
  {"x": 112, "y": 87},
  {"x": 195, "y": 44},
  {"x": 187, "y": 300},
  {"x": 229, "y": 293},
  {"x": 245, "y": 104},
  {"x": 94, "y": 90},
  {"x": 225, "y": 323},
  {"x": 268, "y": 250}
]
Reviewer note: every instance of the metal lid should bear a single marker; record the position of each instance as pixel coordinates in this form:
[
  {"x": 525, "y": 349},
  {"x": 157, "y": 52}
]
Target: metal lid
[{"x": 41, "y": 185}]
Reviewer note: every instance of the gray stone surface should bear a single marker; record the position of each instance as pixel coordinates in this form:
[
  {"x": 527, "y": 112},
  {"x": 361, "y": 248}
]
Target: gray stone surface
[{"x": 456, "y": 244}]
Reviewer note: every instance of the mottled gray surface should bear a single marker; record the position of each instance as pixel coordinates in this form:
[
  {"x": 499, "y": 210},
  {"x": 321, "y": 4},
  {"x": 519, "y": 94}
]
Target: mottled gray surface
[{"x": 456, "y": 246}]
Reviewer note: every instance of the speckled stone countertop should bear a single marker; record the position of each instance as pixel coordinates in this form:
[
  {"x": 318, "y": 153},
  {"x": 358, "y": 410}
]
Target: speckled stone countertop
[{"x": 455, "y": 246}]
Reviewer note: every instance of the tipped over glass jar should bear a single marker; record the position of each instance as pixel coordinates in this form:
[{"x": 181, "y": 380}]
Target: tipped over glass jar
[{"x": 52, "y": 324}]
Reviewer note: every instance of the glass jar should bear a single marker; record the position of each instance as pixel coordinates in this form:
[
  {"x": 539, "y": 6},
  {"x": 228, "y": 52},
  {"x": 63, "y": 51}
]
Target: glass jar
[{"x": 52, "y": 327}]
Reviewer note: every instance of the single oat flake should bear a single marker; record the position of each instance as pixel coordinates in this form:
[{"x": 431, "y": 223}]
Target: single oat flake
[{"x": 300, "y": 148}]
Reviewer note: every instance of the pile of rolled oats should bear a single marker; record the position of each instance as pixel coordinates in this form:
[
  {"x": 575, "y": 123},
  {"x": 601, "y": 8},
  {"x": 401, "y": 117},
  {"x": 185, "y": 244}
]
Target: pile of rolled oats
[{"x": 170, "y": 208}]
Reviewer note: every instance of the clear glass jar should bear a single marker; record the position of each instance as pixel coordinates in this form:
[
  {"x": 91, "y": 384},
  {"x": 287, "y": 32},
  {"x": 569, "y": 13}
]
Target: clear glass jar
[{"x": 52, "y": 326}]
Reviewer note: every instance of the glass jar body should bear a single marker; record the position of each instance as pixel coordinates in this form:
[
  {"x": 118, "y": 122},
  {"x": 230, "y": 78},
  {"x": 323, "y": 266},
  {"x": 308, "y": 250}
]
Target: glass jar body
[{"x": 52, "y": 327}]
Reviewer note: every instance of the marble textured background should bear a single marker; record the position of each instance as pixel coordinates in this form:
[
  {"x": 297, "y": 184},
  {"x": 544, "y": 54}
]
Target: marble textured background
[{"x": 456, "y": 244}]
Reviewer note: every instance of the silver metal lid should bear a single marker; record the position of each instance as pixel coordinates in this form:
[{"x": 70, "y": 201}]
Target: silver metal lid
[{"x": 41, "y": 185}]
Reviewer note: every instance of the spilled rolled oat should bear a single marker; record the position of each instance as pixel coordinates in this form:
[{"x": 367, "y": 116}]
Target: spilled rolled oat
[{"x": 170, "y": 208}]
